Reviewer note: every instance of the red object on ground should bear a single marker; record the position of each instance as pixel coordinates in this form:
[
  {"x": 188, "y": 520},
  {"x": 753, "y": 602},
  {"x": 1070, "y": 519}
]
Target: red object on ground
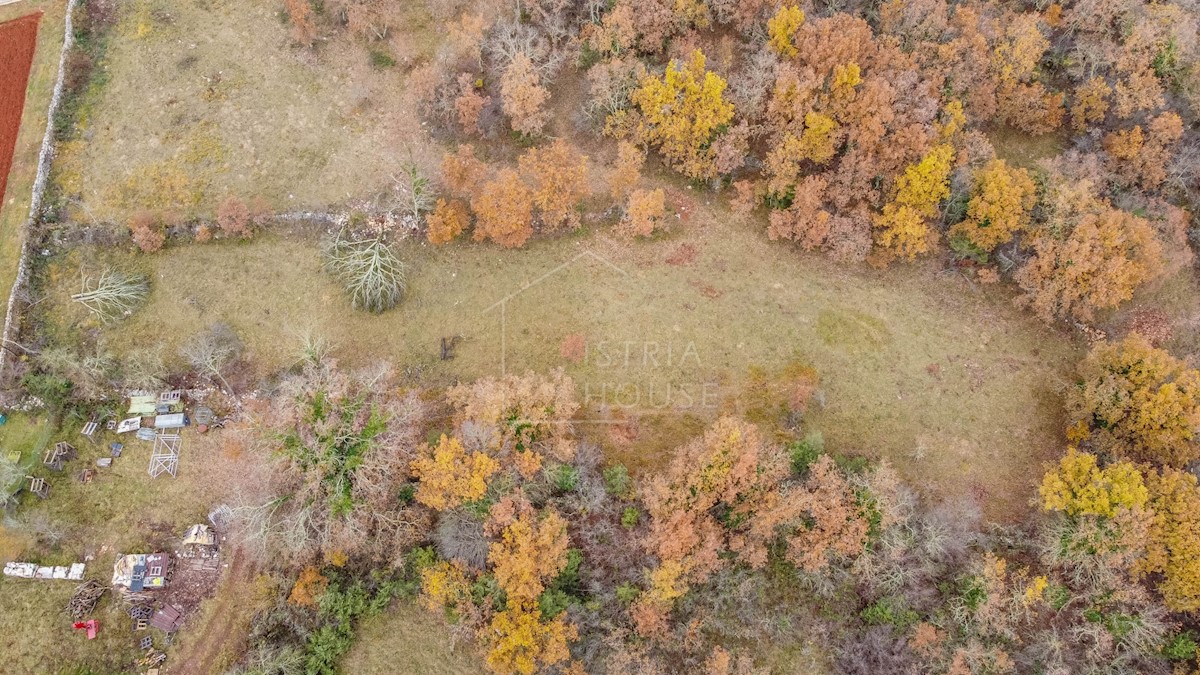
[
  {"x": 91, "y": 625},
  {"x": 18, "y": 40}
]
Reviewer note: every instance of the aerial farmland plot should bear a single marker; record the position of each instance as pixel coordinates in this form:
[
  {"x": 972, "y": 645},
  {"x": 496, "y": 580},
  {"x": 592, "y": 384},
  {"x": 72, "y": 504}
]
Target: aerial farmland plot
[{"x": 372, "y": 336}]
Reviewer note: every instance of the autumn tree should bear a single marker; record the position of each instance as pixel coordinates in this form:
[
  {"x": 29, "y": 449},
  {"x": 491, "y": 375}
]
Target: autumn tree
[
  {"x": 309, "y": 587},
  {"x": 1023, "y": 101},
  {"x": 725, "y": 496},
  {"x": 504, "y": 210},
  {"x": 1078, "y": 486},
  {"x": 524, "y": 417},
  {"x": 523, "y": 641},
  {"x": 147, "y": 230},
  {"x": 233, "y": 217},
  {"x": 781, "y": 28},
  {"x": 1142, "y": 158},
  {"x": 1138, "y": 401},
  {"x": 644, "y": 213},
  {"x": 463, "y": 172},
  {"x": 304, "y": 25},
  {"x": 447, "y": 221},
  {"x": 449, "y": 476},
  {"x": 1091, "y": 103},
  {"x": 532, "y": 550},
  {"x": 469, "y": 104},
  {"x": 1000, "y": 204},
  {"x": 1094, "y": 264},
  {"x": 559, "y": 176},
  {"x": 627, "y": 171},
  {"x": 523, "y": 96},
  {"x": 903, "y": 225},
  {"x": 681, "y": 113},
  {"x": 1173, "y": 548}
]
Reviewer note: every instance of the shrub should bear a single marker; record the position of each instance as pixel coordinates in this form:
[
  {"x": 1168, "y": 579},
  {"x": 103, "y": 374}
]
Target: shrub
[
  {"x": 233, "y": 217},
  {"x": 1181, "y": 647},
  {"x": 630, "y": 517},
  {"x": 565, "y": 478},
  {"x": 804, "y": 453},
  {"x": 617, "y": 481},
  {"x": 147, "y": 231}
]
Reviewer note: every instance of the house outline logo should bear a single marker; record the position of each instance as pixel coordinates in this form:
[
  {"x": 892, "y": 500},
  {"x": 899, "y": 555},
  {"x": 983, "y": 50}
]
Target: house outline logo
[{"x": 502, "y": 303}]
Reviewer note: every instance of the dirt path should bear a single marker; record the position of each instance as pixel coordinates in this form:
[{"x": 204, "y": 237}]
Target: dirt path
[{"x": 200, "y": 654}]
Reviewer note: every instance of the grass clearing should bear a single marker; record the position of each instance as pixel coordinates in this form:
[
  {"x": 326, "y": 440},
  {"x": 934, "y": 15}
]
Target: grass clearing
[
  {"x": 407, "y": 639},
  {"x": 194, "y": 110},
  {"x": 951, "y": 382}
]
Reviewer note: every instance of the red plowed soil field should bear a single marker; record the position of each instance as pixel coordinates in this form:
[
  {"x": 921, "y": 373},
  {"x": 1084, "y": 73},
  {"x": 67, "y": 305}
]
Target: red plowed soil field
[{"x": 18, "y": 39}]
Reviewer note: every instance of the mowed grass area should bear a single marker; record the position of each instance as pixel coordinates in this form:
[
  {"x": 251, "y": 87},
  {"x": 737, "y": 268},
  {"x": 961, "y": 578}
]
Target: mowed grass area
[
  {"x": 951, "y": 382},
  {"x": 407, "y": 639},
  {"x": 14, "y": 203},
  {"x": 206, "y": 99}
]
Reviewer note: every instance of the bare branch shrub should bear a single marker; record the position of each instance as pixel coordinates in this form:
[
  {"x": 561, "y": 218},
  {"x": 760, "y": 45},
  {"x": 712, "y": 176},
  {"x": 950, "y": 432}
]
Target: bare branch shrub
[
  {"x": 211, "y": 350},
  {"x": 370, "y": 271}
]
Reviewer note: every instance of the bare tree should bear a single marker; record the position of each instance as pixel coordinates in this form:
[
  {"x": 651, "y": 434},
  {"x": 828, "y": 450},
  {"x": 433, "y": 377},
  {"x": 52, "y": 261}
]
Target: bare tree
[
  {"x": 371, "y": 272},
  {"x": 144, "y": 368},
  {"x": 211, "y": 350},
  {"x": 113, "y": 295},
  {"x": 415, "y": 192}
]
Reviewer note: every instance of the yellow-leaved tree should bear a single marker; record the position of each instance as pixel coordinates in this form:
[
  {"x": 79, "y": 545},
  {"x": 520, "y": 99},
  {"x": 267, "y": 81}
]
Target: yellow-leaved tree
[
  {"x": 781, "y": 28},
  {"x": 532, "y": 550},
  {"x": 681, "y": 113},
  {"x": 902, "y": 226},
  {"x": 449, "y": 476},
  {"x": 1000, "y": 203},
  {"x": 1173, "y": 549},
  {"x": 1138, "y": 401},
  {"x": 1078, "y": 486}
]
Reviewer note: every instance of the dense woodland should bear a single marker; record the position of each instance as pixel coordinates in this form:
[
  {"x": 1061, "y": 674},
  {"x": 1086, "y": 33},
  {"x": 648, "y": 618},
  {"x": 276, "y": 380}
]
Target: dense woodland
[{"x": 856, "y": 130}]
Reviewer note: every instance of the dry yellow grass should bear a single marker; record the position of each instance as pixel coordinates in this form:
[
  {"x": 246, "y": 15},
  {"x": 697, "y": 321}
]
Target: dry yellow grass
[
  {"x": 952, "y": 383},
  {"x": 210, "y": 99},
  {"x": 406, "y": 639}
]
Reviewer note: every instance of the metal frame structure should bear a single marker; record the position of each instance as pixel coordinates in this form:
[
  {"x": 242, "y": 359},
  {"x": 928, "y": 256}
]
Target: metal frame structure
[{"x": 165, "y": 456}]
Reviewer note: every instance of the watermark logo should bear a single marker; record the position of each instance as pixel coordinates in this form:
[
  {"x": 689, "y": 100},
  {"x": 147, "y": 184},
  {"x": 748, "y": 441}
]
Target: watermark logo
[{"x": 622, "y": 361}]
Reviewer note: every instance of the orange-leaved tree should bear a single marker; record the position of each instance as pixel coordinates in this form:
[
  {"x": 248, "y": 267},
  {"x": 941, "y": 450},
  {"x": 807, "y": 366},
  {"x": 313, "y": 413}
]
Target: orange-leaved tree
[
  {"x": 447, "y": 220},
  {"x": 523, "y": 97},
  {"x": 643, "y": 214},
  {"x": 726, "y": 496},
  {"x": 463, "y": 172},
  {"x": 627, "y": 171},
  {"x": 558, "y": 174},
  {"x": 504, "y": 210},
  {"x": 1093, "y": 259},
  {"x": 527, "y": 413}
]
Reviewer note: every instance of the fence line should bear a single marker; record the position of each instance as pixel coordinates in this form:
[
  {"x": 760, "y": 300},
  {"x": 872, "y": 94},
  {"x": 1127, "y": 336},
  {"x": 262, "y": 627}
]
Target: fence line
[{"x": 45, "y": 156}]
